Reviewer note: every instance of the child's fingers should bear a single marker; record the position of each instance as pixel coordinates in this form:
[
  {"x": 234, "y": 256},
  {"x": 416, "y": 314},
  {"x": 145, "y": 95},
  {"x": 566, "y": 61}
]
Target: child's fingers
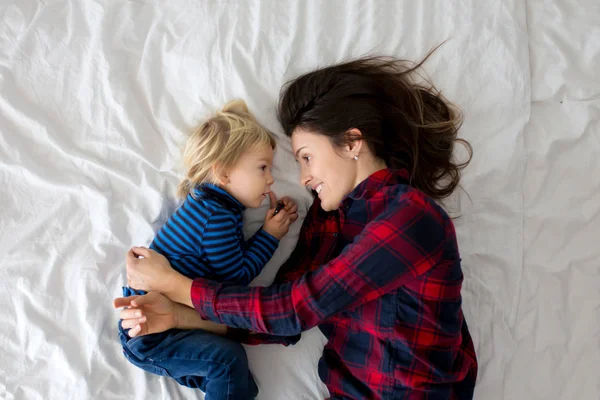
[
  {"x": 290, "y": 206},
  {"x": 280, "y": 216},
  {"x": 293, "y": 217},
  {"x": 269, "y": 215},
  {"x": 288, "y": 203},
  {"x": 280, "y": 206},
  {"x": 292, "y": 210},
  {"x": 123, "y": 301},
  {"x": 272, "y": 200}
]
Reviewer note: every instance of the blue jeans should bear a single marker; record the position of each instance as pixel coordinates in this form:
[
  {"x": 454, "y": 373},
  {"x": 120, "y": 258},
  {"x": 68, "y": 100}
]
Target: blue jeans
[{"x": 194, "y": 358}]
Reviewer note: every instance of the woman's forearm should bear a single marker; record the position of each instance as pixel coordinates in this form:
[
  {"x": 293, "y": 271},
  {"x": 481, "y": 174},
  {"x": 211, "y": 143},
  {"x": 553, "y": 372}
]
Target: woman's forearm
[
  {"x": 188, "y": 318},
  {"x": 178, "y": 289}
]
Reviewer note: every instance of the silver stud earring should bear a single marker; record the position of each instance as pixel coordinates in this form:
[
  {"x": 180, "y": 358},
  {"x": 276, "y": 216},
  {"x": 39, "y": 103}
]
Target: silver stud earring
[{"x": 356, "y": 158}]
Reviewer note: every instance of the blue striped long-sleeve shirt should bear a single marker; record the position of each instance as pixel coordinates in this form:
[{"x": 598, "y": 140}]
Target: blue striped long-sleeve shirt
[{"x": 204, "y": 238}]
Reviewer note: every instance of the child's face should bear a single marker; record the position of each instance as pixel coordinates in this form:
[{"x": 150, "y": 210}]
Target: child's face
[{"x": 250, "y": 179}]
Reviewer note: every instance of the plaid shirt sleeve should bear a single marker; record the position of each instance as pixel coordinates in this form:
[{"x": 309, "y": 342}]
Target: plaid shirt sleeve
[
  {"x": 298, "y": 263},
  {"x": 402, "y": 242}
]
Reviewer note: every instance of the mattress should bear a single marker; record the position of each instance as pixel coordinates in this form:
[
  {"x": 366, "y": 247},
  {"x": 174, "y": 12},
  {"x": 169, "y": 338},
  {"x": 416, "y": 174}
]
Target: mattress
[{"x": 97, "y": 97}]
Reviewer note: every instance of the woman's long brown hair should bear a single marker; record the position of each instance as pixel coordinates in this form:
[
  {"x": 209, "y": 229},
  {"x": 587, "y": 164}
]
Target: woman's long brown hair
[{"x": 404, "y": 120}]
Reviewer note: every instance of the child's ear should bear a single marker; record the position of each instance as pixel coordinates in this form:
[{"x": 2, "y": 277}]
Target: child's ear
[{"x": 220, "y": 175}]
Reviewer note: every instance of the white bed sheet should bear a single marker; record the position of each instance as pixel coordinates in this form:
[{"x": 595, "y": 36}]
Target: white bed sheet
[{"x": 96, "y": 98}]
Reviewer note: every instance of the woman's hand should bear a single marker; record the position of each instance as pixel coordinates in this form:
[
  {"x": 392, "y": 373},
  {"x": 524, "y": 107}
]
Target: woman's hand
[
  {"x": 150, "y": 271},
  {"x": 150, "y": 313},
  {"x": 154, "y": 313}
]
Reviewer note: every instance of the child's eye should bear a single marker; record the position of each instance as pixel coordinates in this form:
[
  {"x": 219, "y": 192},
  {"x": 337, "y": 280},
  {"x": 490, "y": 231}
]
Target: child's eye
[{"x": 263, "y": 167}]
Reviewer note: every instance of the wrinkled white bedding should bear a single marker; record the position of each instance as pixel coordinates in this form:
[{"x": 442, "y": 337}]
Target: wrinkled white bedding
[{"x": 96, "y": 97}]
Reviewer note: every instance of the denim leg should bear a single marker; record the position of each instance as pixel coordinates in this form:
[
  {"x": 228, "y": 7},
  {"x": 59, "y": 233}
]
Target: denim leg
[
  {"x": 138, "y": 359},
  {"x": 197, "y": 359}
]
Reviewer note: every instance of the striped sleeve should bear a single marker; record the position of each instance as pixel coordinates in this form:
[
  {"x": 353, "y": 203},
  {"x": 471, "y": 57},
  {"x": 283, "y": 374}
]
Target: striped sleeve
[
  {"x": 230, "y": 256},
  {"x": 181, "y": 233}
]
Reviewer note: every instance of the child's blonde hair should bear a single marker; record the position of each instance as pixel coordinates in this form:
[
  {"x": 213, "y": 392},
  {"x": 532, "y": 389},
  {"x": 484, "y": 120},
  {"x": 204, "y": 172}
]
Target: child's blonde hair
[{"x": 218, "y": 143}]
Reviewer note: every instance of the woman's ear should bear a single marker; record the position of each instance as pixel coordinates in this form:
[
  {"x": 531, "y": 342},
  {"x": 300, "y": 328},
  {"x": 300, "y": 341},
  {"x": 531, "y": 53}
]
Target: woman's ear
[
  {"x": 220, "y": 175},
  {"x": 354, "y": 142}
]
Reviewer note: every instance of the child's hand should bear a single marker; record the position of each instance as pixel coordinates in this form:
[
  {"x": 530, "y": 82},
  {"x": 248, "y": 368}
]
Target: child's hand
[
  {"x": 278, "y": 223},
  {"x": 291, "y": 208}
]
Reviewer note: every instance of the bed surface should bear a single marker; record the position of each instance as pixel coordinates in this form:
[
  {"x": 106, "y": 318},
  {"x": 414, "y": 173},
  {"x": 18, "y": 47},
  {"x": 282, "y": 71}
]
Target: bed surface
[{"x": 96, "y": 98}]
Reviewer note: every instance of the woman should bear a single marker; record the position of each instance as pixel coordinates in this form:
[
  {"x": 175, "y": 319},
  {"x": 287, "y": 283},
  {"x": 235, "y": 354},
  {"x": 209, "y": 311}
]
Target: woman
[{"x": 377, "y": 266}]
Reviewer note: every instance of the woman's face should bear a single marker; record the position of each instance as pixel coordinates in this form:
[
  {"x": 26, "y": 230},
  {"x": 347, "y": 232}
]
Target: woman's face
[{"x": 329, "y": 171}]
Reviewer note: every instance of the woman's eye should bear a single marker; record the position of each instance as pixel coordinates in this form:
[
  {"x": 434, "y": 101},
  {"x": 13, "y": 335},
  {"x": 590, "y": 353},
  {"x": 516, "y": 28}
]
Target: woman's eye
[{"x": 306, "y": 159}]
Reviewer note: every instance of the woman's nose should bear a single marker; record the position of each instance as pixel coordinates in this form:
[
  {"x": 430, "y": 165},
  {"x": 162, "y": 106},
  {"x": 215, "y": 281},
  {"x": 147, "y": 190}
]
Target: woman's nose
[{"x": 305, "y": 177}]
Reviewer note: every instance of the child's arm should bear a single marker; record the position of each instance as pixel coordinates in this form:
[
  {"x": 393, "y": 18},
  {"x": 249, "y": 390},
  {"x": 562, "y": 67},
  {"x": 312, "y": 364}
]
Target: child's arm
[{"x": 228, "y": 255}]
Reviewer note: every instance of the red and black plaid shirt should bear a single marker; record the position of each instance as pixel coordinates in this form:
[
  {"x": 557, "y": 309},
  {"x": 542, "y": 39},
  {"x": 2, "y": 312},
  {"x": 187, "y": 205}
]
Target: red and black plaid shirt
[{"x": 381, "y": 277}]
